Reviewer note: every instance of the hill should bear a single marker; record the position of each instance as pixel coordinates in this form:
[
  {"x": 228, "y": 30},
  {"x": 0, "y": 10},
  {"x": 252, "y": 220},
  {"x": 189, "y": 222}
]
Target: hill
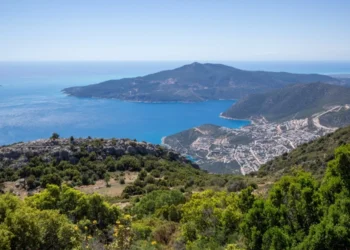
[
  {"x": 194, "y": 82},
  {"x": 292, "y": 102},
  {"x": 167, "y": 206},
  {"x": 336, "y": 119},
  {"x": 86, "y": 163},
  {"x": 312, "y": 156}
]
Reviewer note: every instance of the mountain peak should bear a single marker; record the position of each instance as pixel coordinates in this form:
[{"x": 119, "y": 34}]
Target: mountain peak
[{"x": 193, "y": 65}]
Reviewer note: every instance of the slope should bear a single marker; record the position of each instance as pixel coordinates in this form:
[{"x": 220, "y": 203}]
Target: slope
[
  {"x": 295, "y": 101},
  {"x": 194, "y": 82}
]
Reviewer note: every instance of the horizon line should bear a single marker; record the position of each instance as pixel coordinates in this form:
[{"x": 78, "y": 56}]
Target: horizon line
[{"x": 184, "y": 60}]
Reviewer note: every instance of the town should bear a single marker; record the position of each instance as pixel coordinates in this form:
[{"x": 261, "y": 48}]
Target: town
[{"x": 223, "y": 150}]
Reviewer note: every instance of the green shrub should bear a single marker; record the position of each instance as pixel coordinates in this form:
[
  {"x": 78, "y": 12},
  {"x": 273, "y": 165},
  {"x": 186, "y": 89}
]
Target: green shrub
[
  {"x": 156, "y": 200},
  {"x": 141, "y": 231}
]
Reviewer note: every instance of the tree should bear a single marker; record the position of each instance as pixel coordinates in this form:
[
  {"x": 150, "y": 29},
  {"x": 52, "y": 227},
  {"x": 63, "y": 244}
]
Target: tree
[
  {"x": 334, "y": 230},
  {"x": 54, "y": 136},
  {"x": 50, "y": 179},
  {"x": 255, "y": 224},
  {"x": 275, "y": 238},
  {"x": 246, "y": 199},
  {"x": 25, "y": 227},
  {"x": 2, "y": 186},
  {"x": 107, "y": 178},
  {"x": 5, "y": 238},
  {"x": 159, "y": 199},
  {"x": 211, "y": 215},
  {"x": 31, "y": 182},
  {"x": 57, "y": 231}
]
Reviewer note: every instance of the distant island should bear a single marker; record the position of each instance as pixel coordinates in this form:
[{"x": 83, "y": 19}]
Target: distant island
[{"x": 194, "y": 83}]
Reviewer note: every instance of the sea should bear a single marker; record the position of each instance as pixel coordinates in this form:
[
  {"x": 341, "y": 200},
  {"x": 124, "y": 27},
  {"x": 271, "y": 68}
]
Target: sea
[{"x": 32, "y": 105}]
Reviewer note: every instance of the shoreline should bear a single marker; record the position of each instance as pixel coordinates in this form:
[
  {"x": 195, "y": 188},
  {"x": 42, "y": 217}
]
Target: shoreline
[
  {"x": 162, "y": 142},
  {"x": 147, "y": 102},
  {"x": 235, "y": 119}
]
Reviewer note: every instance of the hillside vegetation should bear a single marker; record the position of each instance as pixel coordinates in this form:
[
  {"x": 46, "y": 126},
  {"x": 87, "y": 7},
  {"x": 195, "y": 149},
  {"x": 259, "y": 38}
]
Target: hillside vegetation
[
  {"x": 77, "y": 162},
  {"x": 298, "y": 212},
  {"x": 292, "y": 102},
  {"x": 193, "y": 83},
  {"x": 336, "y": 119}
]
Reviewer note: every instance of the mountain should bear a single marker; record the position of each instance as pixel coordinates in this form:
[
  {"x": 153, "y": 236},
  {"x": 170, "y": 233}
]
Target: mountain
[
  {"x": 336, "y": 119},
  {"x": 294, "y": 101},
  {"x": 194, "y": 82},
  {"x": 312, "y": 156}
]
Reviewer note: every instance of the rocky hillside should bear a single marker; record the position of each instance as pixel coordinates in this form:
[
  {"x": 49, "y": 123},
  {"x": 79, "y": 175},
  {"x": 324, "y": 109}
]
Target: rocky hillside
[
  {"x": 193, "y": 83},
  {"x": 72, "y": 150},
  {"x": 336, "y": 119},
  {"x": 85, "y": 163}
]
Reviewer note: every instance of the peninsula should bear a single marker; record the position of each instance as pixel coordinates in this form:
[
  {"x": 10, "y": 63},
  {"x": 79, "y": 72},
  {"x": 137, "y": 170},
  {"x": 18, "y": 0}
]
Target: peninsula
[{"x": 194, "y": 83}]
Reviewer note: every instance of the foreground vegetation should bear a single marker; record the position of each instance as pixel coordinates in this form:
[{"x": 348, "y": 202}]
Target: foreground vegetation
[
  {"x": 155, "y": 172},
  {"x": 298, "y": 212}
]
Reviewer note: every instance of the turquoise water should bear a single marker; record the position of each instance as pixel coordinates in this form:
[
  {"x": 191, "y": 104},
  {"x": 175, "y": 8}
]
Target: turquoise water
[{"x": 32, "y": 106}]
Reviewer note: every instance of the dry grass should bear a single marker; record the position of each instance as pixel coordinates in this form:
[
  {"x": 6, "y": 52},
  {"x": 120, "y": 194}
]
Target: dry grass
[
  {"x": 10, "y": 186},
  {"x": 115, "y": 188},
  {"x": 99, "y": 187}
]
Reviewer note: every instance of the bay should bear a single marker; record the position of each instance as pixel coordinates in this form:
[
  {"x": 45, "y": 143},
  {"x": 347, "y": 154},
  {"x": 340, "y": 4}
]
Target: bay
[{"x": 32, "y": 105}]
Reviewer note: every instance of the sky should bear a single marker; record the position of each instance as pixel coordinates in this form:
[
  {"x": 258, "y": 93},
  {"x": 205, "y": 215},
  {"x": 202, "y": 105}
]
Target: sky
[{"x": 157, "y": 30}]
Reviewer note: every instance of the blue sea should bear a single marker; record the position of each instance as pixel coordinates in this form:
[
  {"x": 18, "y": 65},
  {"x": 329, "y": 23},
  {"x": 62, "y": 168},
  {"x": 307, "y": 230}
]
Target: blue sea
[{"x": 33, "y": 107}]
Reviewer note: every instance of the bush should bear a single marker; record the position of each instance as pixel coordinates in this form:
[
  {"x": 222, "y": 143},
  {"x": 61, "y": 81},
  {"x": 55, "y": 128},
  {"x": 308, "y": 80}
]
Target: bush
[
  {"x": 31, "y": 182},
  {"x": 128, "y": 162},
  {"x": 133, "y": 190},
  {"x": 142, "y": 175},
  {"x": 150, "y": 187},
  {"x": 155, "y": 173},
  {"x": 50, "y": 179},
  {"x": 150, "y": 180},
  {"x": 142, "y": 232},
  {"x": 163, "y": 233},
  {"x": 170, "y": 213},
  {"x": 236, "y": 186},
  {"x": 156, "y": 200}
]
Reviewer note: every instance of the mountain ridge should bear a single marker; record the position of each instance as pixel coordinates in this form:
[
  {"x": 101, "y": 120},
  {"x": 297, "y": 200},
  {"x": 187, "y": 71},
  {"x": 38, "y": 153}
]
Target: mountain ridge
[
  {"x": 292, "y": 102},
  {"x": 194, "y": 83}
]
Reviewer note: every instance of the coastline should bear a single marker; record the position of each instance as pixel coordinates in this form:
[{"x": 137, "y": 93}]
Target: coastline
[
  {"x": 235, "y": 119},
  {"x": 148, "y": 102},
  {"x": 162, "y": 142}
]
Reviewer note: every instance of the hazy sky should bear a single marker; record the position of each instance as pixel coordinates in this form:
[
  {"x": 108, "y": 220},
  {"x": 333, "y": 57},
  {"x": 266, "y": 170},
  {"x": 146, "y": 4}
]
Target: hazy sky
[{"x": 174, "y": 30}]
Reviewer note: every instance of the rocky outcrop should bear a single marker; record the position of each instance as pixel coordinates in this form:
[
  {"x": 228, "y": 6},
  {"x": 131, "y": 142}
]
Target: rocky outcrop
[{"x": 18, "y": 155}]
